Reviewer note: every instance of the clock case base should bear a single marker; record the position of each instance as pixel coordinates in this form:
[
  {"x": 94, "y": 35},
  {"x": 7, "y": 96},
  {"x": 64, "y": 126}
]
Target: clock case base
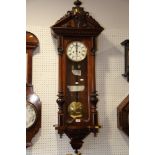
[{"x": 77, "y": 134}]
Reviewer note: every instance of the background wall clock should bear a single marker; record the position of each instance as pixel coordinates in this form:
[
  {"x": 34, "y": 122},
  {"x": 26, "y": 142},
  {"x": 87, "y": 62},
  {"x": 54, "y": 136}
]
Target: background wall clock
[
  {"x": 125, "y": 43},
  {"x": 123, "y": 107},
  {"x": 76, "y": 33},
  {"x": 33, "y": 104},
  {"x": 123, "y": 115}
]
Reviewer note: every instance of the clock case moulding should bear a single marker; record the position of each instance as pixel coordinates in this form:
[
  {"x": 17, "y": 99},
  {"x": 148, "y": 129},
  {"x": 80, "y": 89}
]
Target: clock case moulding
[
  {"x": 75, "y": 25},
  {"x": 31, "y": 44}
]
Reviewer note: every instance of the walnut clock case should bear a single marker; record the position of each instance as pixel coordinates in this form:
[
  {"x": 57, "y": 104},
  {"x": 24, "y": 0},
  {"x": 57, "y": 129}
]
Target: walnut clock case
[
  {"x": 33, "y": 104},
  {"x": 76, "y": 33}
]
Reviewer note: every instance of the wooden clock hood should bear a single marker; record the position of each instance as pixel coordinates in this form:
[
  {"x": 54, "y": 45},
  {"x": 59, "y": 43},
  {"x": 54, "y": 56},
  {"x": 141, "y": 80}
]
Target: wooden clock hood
[{"x": 77, "y": 22}]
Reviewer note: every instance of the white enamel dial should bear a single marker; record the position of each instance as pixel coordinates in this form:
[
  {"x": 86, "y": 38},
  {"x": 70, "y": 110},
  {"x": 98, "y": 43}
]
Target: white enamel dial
[
  {"x": 76, "y": 51},
  {"x": 30, "y": 115}
]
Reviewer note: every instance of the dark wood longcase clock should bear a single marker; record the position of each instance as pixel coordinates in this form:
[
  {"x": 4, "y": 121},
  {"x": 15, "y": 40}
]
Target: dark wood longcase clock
[
  {"x": 33, "y": 104},
  {"x": 76, "y": 33}
]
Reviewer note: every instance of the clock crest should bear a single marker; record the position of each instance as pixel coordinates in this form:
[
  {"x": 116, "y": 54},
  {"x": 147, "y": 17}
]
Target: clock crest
[{"x": 77, "y": 97}]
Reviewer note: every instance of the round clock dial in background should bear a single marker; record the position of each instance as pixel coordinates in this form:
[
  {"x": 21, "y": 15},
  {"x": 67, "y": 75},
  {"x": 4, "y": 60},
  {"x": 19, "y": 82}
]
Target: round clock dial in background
[
  {"x": 31, "y": 115},
  {"x": 76, "y": 51}
]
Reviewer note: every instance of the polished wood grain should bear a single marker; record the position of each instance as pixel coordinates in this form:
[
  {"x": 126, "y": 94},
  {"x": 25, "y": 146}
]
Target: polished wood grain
[
  {"x": 77, "y": 25},
  {"x": 123, "y": 115},
  {"x": 31, "y": 44}
]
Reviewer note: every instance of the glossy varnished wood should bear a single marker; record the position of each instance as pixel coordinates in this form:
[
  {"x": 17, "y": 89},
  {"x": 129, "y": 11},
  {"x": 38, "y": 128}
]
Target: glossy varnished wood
[
  {"x": 77, "y": 25},
  {"x": 31, "y": 44},
  {"x": 123, "y": 115}
]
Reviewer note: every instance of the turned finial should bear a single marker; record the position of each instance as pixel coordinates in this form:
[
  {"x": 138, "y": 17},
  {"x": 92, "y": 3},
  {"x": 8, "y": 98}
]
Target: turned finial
[{"x": 77, "y": 3}]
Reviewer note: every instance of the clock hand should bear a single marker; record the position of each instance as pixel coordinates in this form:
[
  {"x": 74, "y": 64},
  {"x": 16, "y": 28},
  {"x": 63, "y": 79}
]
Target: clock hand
[{"x": 76, "y": 50}]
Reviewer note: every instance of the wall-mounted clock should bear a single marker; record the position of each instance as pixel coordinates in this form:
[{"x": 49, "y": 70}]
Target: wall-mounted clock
[
  {"x": 123, "y": 108},
  {"x": 33, "y": 104},
  {"x": 123, "y": 115},
  {"x": 76, "y": 33},
  {"x": 125, "y": 43}
]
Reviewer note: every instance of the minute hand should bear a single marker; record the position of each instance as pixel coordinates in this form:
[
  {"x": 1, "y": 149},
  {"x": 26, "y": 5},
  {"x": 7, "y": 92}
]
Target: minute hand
[{"x": 76, "y": 50}]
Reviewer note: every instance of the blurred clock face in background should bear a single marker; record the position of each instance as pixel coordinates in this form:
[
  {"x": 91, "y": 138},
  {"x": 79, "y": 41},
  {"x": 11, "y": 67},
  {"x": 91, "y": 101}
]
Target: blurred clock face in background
[{"x": 31, "y": 115}]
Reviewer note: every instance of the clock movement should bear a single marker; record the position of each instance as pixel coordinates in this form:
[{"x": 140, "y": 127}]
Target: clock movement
[
  {"x": 76, "y": 33},
  {"x": 33, "y": 104}
]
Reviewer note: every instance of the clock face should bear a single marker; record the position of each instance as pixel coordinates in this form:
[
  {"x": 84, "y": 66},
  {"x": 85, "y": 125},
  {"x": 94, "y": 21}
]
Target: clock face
[
  {"x": 31, "y": 115},
  {"x": 76, "y": 51}
]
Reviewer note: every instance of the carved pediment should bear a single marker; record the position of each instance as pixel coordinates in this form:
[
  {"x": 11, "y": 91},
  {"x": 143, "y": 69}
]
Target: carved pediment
[{"x": 77, "y": 22}]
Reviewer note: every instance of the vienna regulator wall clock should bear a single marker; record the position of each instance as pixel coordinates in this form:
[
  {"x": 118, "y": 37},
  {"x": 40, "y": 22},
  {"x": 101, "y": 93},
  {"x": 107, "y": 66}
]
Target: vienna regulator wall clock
[
  {"x": 76, "y": 33},
  {"x": 33, "y": 104}
]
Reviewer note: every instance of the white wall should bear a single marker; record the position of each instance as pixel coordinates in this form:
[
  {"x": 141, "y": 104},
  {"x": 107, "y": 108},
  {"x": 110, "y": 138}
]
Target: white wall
[
  {"x": 111, "y": 14},
  {"x": 111, "y": 86}
]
